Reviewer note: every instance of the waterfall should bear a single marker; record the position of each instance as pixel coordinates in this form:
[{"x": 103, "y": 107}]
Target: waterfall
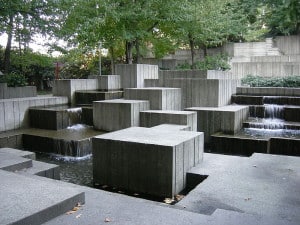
[
  {"x": 269, "y": 124},
  {"x": 74, "y": 115},
  {"x": 273, "y": 111}
]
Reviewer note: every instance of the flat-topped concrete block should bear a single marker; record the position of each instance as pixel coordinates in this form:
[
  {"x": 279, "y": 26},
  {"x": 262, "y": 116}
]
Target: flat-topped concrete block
[
  {"x": 68, "y": 87},
  {"x": 204, "y": 92},
  {"x": 11, "y": 162},
  {"x": 18, "y": 153},
  {"x": 172, "y": 127},
  {"x": 146, "y": 160},
  {"x": 133, "y": 75},
  {"x": 160, "y": 98},
  {"x": 152, "y": 118},
  {"x": 108, "y": 82},
  {"x": 84, "y": 98},
  {"x": 111, "y": 115},
  {"x": 35, "y": 201},
  {"x": 17, "y": 92},
  {"x": 228, "y": 119}
]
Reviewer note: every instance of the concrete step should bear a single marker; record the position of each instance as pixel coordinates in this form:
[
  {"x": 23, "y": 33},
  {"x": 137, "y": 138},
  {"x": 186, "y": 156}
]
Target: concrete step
[
  {"x": 10, "y": 162},
  {"x": 152, "y": 118},
  {"x": 270, "y": 124},
  {"x": 87, "y": 97},
  {"x": 35, "y": 201},
  {"x": 260, "y": 100}
]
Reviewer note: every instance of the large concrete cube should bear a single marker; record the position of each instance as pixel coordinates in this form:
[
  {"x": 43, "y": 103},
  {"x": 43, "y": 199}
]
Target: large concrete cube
[
  {"x": 160, "y": 98},
  {"x": 228, "y": 119},
  {"x": 133, "y": 76},
  {"x": 108, "y": 82},
  {"x": 146, "y": 160},
  {"x": 117, "y": 114},
  {"x": 152, "y": 118}
]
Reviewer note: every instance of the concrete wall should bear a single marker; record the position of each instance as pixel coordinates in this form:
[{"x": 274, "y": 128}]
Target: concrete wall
[
  {"x": 268, "y": 91},
  {"x": 16, "y": 92},
  {"x": 266, "y": 69},
  {"x": 288, "y": 45},
  {"x": 146, "y": 160},
  {"x": 160, "y": 98},
  {"x": 14, "y": 113},
  {"x": 228, "y": 119},
  {"x": 108, "y": 82},
  {"x": 153, "y": 118},
  {"x": 112, "y": 115},
  {"x": 204, "y": 92},
  {"x": 69, "y": 86},
  {"x": 133, "y": 76}
]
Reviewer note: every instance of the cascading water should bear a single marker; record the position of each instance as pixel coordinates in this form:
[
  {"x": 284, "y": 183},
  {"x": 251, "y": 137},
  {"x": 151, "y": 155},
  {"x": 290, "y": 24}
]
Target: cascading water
[
  {"x": 273, "y": 111},
  {"x": 74, "y": 115}
]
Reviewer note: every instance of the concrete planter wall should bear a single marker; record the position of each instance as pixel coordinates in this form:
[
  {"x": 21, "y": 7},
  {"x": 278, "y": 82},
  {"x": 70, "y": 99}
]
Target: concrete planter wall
[
  {"x": 16, "y": 92},
  {"x": 268, "y": 91}
]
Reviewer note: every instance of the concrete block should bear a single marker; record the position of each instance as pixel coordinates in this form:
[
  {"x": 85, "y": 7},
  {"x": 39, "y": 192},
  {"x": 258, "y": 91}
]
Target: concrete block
[
  {"x": 146, "y": 160},
  {"x": 172, "y": 127},
  {"x": 87, "y": 97},
  {"x": 133, "y": 76},
  {"x": 152, "y": 118},
  {"x": 228, "y": 119},
  {"x": 117, "y": 114},
  {"x": 108, "y": 82},
  {"x": 151, "y": 83},
  {"x": 160, "y": 98}
]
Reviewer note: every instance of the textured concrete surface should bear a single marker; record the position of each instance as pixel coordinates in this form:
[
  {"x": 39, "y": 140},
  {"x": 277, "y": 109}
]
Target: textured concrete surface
[
  {"x": 25, "y": 200},
  {"x": 84, "y": 98},
  {"x": 108, "y": 82},
  {"x": 146, "y": 160},
  {"x": 16, "y": 92},
  {"x": 262, "y": 185},
  {"x": 111, "y": 115},
  {"x": 228, "y": 119},
  {"x": 160, "y": 98},
  {"x": 268, "y": 91},
  {"x": 172, "y": 127},
  {"x": 152, "y": 118}
]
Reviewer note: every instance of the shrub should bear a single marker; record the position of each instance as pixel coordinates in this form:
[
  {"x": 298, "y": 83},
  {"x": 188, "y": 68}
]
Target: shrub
[
  {"x": 15, "y": 80},
  {"x": 258, "y": 81},
  {"x": 215, "y": 62}
]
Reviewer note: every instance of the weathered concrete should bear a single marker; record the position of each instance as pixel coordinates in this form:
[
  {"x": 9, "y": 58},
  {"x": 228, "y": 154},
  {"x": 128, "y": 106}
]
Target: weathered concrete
[
  {"x": 228, "y": 119},
  {"x": 151, "y": 82},
  {"x": 268, "y": 91},
  {"x": 133, "y": 76},
  {"x": 87, "y": 116},
  {"x": 152, "y": 118},
  {"x": 160, "y": 98},
  {"x": 108, "y": 82},
  {"x": 111, "y": 115},
  {"x": 26, "y": 200},
  {"x": 68, "y": 87},
  {"x": 262, "y": 185},
  {"x": 84, "y": 98},
  {"x": 17, "y": 92},
  {"x": 260, "y": 100},
  {"x": 204, "y": 92},
  {"x": 15, "y": 113},
  {"x": 172, "y": 127},
  {"x": 146, "y": 160}
]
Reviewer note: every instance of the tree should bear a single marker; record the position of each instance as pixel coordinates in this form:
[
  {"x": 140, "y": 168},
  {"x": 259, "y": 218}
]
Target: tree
[{"x": 21, "y": 19}]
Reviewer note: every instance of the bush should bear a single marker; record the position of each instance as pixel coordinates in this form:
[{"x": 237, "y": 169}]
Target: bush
[
  {"x": 183, "y": 66},
  {"x": 15, "y": 80},
  {"x": 258, "y": 81},
  {"x": 215, "y": 62}
]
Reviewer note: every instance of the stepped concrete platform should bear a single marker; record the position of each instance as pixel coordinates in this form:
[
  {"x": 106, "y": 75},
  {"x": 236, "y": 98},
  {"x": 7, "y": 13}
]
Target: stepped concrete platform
[
  {"x": 172, "y": 127},
  {"x": 152, "y": 118},
  {"x": 248, "y": 143},
  {"x": 260, "y": 100},
  {"x": 204, "y": 92},
  {"x": 228, "y": 119},
  {"x": 15, "y": 113},
  {"x": 26, "y": 200},
  {"x": 108, "y": 82},
  {"x": 86, "y": 98},
  {"x": 11, "y": 162},
  {"x": 262, "y": 185},
  {"x": 112, "y": 115},
  {"x": 74, "y": 141},
  {"x": 11, "y": 139},
  {"x": 146, "y": 160},
  {"x": 133, "y": 75},
  {"x": 160, "y": 98}
]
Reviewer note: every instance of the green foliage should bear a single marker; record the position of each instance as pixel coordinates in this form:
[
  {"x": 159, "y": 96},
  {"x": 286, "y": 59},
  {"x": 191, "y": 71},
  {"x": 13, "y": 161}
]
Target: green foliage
[
  {"x": 215, "y": 62},
  {"x": 183, "y": 66},
  {"x": 258, "y": 81},
  {"x": 15, "y": 80}
]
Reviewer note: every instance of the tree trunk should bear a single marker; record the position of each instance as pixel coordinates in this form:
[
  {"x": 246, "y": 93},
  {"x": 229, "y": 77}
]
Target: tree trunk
[
  {"x": 192, "y": 47},
  {"x": 138, "y": 53},
  {"x": 8, "y": 45},
  {"x": 129, "y": 46},
  {"x": 204, "y": 50},
  {"x": 112, "y": 60}
]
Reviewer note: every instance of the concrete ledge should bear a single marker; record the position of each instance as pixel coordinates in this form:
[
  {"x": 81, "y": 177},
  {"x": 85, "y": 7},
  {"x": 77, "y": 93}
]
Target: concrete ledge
[
  {"x": 17, "y": 92},
  {"x": 146, "y": 160},
  {"x": 152, "y": 118},
  {"x": 31, "y": 202},
  {"x": 268, "y": 91},
  {"x": 228, "y": 119},
  {"x": 108, "y": 82},
  {"x": 160, "y": 98},
  {"x": 111, "y": 115},
  {"x": 260, "y": 100},
  {"x": 18, "y": 153},
  {"x": 16, "y": 111},
  {"x": 84, "y": 98},
  {"x": 171, "y": 127}
]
